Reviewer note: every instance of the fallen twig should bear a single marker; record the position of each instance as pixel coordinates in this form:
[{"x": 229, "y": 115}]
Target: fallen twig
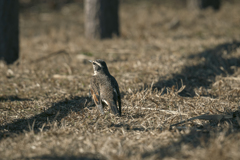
[
  {"x": 232, "y": 78},
  {"x": 161, "y": 110},
  {"x": 51, "y": 55},
  {"x": 69, "y": 77}
]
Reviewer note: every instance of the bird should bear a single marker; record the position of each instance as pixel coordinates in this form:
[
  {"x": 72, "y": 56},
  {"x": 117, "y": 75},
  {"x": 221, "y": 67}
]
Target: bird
[{"x": 104, "y": 88}]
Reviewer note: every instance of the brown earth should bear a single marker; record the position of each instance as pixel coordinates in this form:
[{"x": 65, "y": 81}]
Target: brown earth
[{"x": 171, "y": 64}]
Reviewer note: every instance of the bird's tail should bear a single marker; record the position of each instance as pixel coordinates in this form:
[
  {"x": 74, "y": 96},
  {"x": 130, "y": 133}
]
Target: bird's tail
[{"x": 114, "y": 108}]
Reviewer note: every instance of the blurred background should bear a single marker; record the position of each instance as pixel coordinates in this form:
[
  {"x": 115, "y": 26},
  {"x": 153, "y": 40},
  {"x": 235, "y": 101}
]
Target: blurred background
[
  {"x": 135, "y": 37},
  {"x": 114, "y": 18}
]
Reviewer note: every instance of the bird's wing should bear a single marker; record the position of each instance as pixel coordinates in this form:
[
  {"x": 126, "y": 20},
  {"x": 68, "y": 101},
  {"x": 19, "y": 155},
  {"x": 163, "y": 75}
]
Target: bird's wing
[{"x": 118, "y": 95}]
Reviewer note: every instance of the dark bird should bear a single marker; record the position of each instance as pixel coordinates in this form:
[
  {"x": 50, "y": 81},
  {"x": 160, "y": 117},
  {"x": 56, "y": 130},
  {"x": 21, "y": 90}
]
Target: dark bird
[{"x": 104, "y": 88}]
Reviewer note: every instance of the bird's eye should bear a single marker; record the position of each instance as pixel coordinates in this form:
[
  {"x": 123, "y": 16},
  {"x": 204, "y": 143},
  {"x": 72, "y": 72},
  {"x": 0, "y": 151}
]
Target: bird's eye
[{"x": 97, "y": 64}]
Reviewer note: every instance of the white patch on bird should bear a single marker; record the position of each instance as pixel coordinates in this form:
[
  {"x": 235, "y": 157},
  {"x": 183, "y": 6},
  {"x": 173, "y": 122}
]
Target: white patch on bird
[
  {"x": 95, "y": 73},
  {"x": 98, "y": 63},
  {"x": 115, "y": 91},
  {"x": 105, "y": 102}
]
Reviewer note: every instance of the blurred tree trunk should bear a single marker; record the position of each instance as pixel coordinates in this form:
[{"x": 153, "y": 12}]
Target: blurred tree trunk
[
  {"x": 9, "y": 33},
  {"x": 202, "y": 4},
  {"x": 101, "y": 18}
]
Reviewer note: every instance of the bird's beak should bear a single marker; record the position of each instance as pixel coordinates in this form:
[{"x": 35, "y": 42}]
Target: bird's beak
[{"x": 90, "y": 61}]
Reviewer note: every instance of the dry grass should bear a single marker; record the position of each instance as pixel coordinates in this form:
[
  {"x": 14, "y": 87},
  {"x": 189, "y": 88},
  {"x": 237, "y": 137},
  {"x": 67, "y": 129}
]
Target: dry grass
[{"x": 171, "y": 65}]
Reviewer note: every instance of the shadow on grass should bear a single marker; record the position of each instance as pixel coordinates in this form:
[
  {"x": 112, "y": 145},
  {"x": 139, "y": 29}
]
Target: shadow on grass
[
  {"x": 84, "y": 156},
  {"x": 13, "y": 98},
  {"x": 57, "y": 111},
  {"x": 199, "y": 136},
  {"x": 203, "y": 75}
]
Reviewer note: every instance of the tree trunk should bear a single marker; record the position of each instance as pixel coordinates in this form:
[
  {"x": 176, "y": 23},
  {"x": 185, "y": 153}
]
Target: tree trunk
[
  {"x": 202, "y": 4},
  {"x": 101, "y": 18},
  {"x": 9, "y": 33}
]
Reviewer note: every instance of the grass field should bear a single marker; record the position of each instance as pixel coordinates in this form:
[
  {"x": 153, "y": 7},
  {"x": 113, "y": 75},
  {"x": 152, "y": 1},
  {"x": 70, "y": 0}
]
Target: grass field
[{"x": 171, "y": 64}]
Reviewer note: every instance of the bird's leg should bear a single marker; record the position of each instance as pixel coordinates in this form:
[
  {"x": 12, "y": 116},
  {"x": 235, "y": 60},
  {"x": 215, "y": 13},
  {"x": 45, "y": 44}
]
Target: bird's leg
[
  {"x": 100, "y": 107},
  {"x": 97, "y": 101}
]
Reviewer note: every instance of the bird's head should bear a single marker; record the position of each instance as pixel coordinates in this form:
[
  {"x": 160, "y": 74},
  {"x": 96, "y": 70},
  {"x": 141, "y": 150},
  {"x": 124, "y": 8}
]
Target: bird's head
[{"x": 99, "y": 66}]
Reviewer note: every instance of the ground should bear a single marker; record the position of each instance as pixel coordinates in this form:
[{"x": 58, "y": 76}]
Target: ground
[{"x": 172, "y": 64}]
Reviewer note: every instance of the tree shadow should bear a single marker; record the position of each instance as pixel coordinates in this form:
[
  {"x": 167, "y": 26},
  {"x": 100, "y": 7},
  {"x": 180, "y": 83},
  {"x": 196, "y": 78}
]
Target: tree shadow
[
  {"x": 212, "y": 63},
  {"x": 13, "y": 98},
  {"x": 84, "y": 156},
  {"x": 52, "y": 4},
  {"x": 199, "y": 136},
  {"x": 56, "y": 112}
]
